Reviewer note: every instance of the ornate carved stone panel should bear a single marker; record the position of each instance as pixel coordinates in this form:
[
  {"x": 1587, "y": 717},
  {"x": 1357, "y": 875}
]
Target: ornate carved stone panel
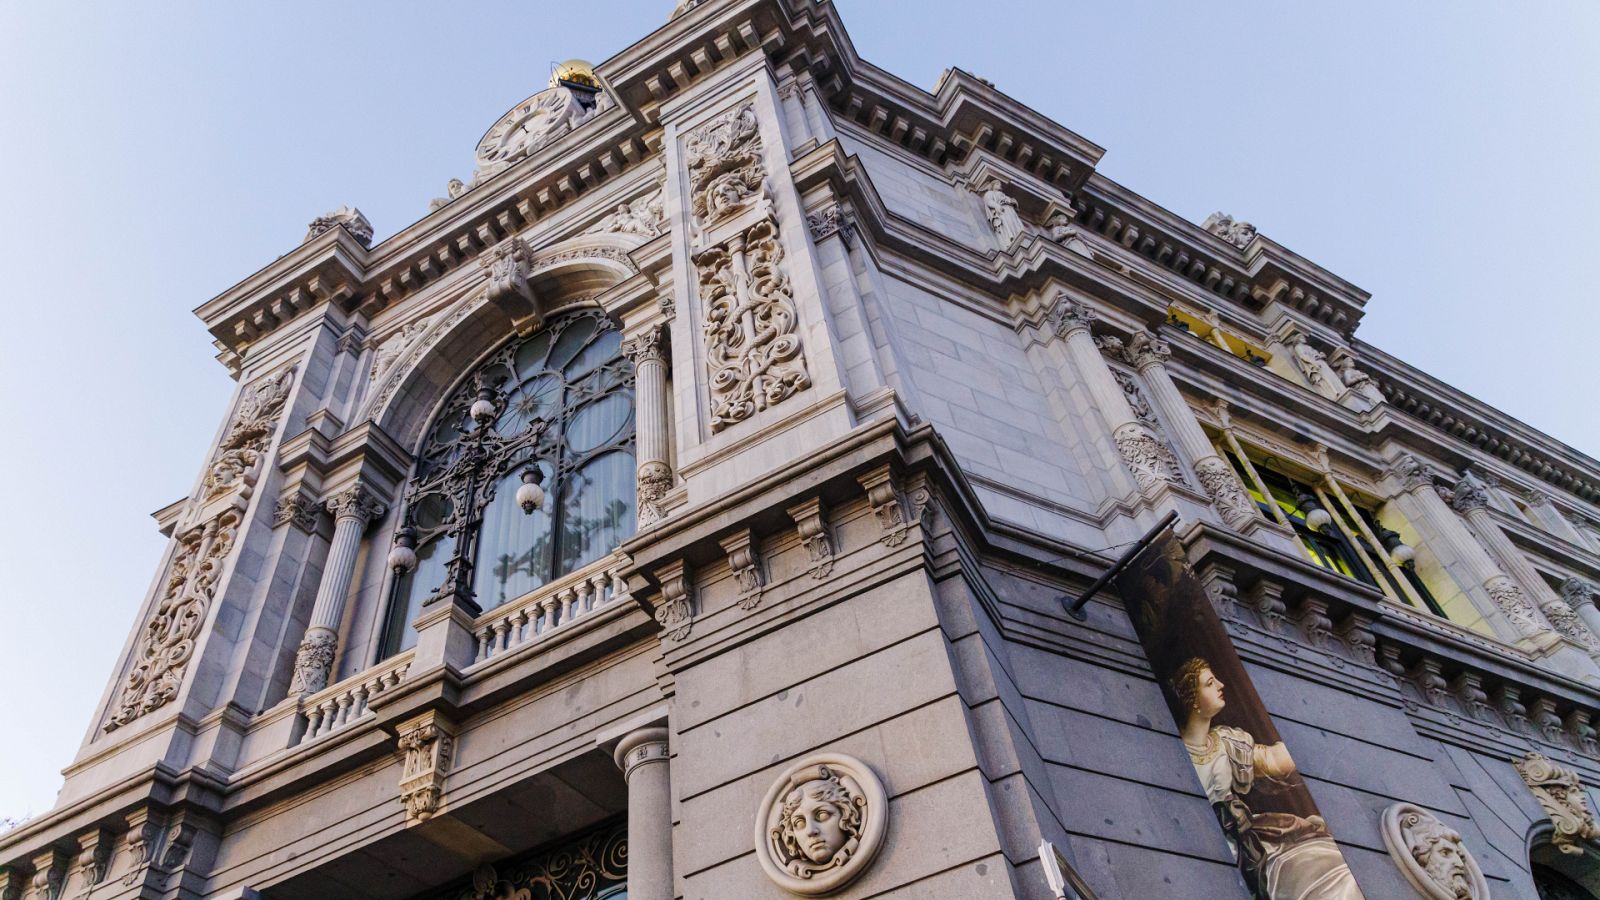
[
  {"x": 675, "y": 610},
  {"x": 752, "y": 343},
  {"x": 1559, "y": 791},
  {"x": 167, "y": 641},
  {"x": 744, "y": 559},
  {"x": 821, "y": 824},
  {"x": 235, "y": 465},
  {"x": 587, "y": 867},
  {"x": 1432, "y": 855},
  {"x": 428, "y": 744}
]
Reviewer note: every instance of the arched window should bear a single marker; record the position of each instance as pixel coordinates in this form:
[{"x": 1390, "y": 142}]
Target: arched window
[{"x": 562, "y": 408}]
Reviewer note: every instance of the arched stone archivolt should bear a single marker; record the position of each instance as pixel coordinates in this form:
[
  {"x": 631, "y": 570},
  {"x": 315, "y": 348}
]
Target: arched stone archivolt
[{"x": 412, "y": 378}]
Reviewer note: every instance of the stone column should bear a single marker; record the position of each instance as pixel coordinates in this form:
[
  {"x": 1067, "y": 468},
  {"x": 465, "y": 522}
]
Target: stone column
[
  {"x": 1148, "y": 354},
  {"x": 642, "y": 756},
  {"x": 1145, "y": 455},
  {"x": 1471, "y": 499},
  {"x": 313, "y": 665},
  {"x": 1511, "y": 606},
  {"x": 648, "y": 354}
]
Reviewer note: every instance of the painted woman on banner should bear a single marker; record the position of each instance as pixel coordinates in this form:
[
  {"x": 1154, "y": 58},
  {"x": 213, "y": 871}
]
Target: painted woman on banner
[{"x": 1283, "y": 856}]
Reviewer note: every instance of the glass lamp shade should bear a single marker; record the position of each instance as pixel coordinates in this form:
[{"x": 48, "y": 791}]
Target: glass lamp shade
[
  {"x": 1402, "y": 553},
  {"x": 530, "y": 497},
  {"x": 483, "y": 410},
  {"x": 1318, "y": 519},
  {"x": 403, "y": 555}
]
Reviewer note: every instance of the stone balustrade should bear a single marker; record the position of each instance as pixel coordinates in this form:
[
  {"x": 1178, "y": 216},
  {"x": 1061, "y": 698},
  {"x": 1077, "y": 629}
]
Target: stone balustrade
[
  {"x": 555, "y": 605},
  {"x": 340, "y": 704}
]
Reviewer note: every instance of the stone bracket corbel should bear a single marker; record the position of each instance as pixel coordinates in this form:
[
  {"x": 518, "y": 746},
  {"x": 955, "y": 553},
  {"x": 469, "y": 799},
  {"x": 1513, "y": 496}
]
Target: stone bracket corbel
[
  {"x": 505, "y": 268},
  {"x": 811, "y": 521},
  {"x": 427, "y": 742},
  {"x": 744, "y": 558},
  {"x": 675, "y": 611}
]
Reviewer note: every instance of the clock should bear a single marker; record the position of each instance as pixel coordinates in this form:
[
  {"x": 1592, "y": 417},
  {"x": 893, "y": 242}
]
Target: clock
[{"x": 528, "y": 126}]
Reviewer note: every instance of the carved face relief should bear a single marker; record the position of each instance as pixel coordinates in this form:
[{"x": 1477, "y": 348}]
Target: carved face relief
[
  {"x": 1432, "y": 855},
  {"x": 821, "y": 824}
]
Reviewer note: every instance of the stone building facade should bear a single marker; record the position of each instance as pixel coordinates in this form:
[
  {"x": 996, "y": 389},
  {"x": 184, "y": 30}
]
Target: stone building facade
[{"x": 683, "y": 507}]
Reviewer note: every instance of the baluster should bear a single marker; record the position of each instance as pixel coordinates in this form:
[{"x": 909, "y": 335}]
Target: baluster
[
  {"x": 313, "y": 722},
  {"x": 359, "y": 707},
  {"x": 581, "y": 604},
  {"x": 567, "y": 596},
  {"x": 345, "y": 702},
  {"x": 519, "y": 626},
  {"x": 549, "y": 604},
  {"x": 619, "y": 587},
  {"x": 329, "y": 707},
  {"x": 502, "y": 634},
  {"x": 483, "y": 643}
]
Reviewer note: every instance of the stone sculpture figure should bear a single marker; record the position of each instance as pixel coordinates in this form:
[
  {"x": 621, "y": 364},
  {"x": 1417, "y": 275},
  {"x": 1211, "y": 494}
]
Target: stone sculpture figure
[
  {"x": 1559, "y": 791},
  {"x": 1002, "y": 212},
  {"x": 821, "y": 824},
  {"x": 1236, "y": 232},
  {"x": 1432, "y": 855}
]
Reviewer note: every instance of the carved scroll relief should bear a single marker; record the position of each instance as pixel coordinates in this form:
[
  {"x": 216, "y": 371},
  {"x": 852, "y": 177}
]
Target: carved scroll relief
[
  {"x": 234, "y": 468},
  {"x": 167, "y": 641},
  {"x": 1559, "y": 791},
  {"x": 752, "y": 344}
]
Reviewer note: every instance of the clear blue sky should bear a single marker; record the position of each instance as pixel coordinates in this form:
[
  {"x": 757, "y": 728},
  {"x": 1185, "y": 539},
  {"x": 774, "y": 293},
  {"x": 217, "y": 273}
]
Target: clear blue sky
[{"x": 1442, "y": 155}]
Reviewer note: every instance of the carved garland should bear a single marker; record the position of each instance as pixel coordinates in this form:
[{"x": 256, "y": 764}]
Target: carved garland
[{"x": 1559, "y": 791}]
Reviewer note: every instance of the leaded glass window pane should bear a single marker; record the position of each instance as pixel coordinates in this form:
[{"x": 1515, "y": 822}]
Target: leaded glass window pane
[{"x": 563, "y": 404}]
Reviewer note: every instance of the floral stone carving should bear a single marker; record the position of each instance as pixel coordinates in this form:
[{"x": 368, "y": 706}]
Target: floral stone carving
[
  {"x": 1224, "y": 489},
  {"x": 1559, "y": 791},
  {"x": 724, "y": 162},
  {"x": 167, "y": 641},
  {"x": 752, "y": 345},
  {"x": 1432, "y": 855},
  {"x": 249, "y": 433},
  {"x": 428, "y": 743},
  {"x": 821, "y": 824}
]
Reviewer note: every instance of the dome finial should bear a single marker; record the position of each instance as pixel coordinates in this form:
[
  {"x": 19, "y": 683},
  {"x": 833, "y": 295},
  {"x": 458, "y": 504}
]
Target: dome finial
[{"x": 574, "y": 73}]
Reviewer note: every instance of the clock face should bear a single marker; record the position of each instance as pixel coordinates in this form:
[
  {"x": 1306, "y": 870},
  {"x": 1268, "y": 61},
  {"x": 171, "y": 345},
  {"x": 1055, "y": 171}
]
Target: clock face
[{"x": 528, "y": 126}]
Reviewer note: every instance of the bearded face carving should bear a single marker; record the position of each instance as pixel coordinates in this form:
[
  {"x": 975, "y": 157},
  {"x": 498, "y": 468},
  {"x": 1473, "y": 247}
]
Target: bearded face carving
[
  {"x": 1432, "y": 855},
  {"x": 821, "y": 824}
]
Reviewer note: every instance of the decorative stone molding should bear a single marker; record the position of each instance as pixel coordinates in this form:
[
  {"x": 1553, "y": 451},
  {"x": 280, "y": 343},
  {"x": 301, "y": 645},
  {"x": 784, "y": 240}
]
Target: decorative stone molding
[
  {"x": 94, "y": 858},
  {"x": 298, "y": 509},
  {"x": 428, "y": 743},
  {"x": 1000, "y": 209},
  {"x": 1411, "y": 473},
  {"x": 811, "y": 521},
  {"x": 645, "y": 216},
  {"x": 1224, "y": 489},
  {"x": 888, "y": 505},
  {"x": 1509, "y": 599},
  {"x": 821, "y": 823},
  {"x": 505, "y": 268},
  {"x": 141, "y": 842},
  {"x": 829, "y": 222},
  {"x": 1238, "y": 233},
  {"x": 313, "y": 662},
  {"x": 1471, "y": 492},
  {"x": 1559, "y": 791},
  {"x": 654, "y": 481},
  {"x": 352, "y": 220},
  {"x": 1145, "y": 349},
  {"x": 1147, "y": 457},
  {"x": 235, "y": 466},
  {"x": 357, "y": 503},
  {"x": 675, "y": 610},
  {"x": 752, "y": 343},
  {"x": 1579, "y": 594},
  {"x": 167, "y": 641},
  {"x": 1068, "y": 315},
  {"x": 723, "y": 158},
  {"x": 49, "y": 874},
  {"x": 744, "y": 558},
  {"x": 1431, "y": 855}
]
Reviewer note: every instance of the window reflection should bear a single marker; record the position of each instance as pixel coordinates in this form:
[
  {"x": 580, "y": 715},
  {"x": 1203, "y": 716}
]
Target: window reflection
[{"x": 572, "y": 378}]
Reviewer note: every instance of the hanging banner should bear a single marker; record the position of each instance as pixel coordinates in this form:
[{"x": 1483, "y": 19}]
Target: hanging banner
[{"x": 1281, "y": 844}]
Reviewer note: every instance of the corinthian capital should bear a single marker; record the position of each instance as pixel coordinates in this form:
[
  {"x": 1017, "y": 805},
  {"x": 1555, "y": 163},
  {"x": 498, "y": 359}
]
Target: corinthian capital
[
  {"x": 1069, "y": 315},
  {"x": 1470, "y": 493},
  {"x": 357, "y": 503},
  {"x": 646, "y": 346},
  {"x": 1145, "y": 349},
  {"x": 1578, "y": 593},
  {"x": 1412, "y": 473}
]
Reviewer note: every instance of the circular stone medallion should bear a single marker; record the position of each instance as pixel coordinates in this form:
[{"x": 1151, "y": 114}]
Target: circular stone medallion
[{"x": 821, "y": 824}]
